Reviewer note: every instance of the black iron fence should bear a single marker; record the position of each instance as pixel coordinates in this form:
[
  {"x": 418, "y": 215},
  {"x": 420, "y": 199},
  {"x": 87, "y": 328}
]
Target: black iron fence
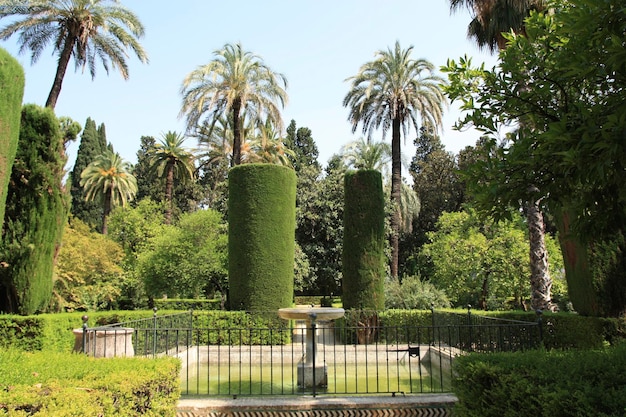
[{"x": 336, "y": 358}]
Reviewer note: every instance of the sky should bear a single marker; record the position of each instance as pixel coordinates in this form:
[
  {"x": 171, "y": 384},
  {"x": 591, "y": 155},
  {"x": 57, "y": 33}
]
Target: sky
[{"x": 317, "y": 45}]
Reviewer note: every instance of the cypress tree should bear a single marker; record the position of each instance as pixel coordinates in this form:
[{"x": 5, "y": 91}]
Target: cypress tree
[
  {"x": 364, "y": 241},
  {"x": 36, "y": 212},
  {"x": 261, "y": 236},
  {"x": 92, "y": 143},
  {"x": 12, "y": 87}
]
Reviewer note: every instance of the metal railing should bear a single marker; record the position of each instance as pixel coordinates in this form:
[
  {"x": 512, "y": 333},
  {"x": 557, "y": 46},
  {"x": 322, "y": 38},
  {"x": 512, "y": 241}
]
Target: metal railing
[{"x": 369, "y": 358}]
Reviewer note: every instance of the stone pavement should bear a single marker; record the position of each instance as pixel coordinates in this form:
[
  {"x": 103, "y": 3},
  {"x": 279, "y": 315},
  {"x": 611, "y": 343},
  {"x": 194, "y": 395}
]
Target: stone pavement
[{"x": 414, "y": 405}]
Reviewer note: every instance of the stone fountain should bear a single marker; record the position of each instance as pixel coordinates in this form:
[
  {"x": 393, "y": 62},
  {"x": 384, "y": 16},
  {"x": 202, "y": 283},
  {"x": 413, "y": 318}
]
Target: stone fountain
[{"x": 311, "y": 373}]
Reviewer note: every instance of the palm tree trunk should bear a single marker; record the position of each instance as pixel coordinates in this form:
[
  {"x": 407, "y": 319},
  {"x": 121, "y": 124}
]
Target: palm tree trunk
[
  {"x": 396, "y": 190},
  {"x": 108, "y": 196},
  {"x": 169, "y": 190},
  {"x": 236, "y": 134},
  {"x": 64, "y": 60},
  {"x": 540, "y": 280}
]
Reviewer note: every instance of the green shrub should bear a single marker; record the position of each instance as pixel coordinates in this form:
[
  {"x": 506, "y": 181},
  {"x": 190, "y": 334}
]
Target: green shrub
[
  {"x": 363, "y": 241},
  {"x": 413, "y": 293},
  {"x": 47, "y": 383},
  {"x": 187, "y": 304},
  {"x": 12, "y": 87},
  {"x": 261, "y": 236},
  {"x": 539, "y": 383},
  {"x": 239, "y": 327}
]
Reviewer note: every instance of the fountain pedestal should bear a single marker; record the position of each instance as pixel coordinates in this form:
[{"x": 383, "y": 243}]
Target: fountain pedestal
[{"x": 310, "y": 372}]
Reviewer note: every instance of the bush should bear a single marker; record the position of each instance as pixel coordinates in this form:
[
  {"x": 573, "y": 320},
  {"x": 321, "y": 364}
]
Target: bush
[
  {"x": 42, "y": 384},
  {"x": 413, "y": 293},
  {"x": 540, "y": 383},
  {"x": 187, "y": 304}
]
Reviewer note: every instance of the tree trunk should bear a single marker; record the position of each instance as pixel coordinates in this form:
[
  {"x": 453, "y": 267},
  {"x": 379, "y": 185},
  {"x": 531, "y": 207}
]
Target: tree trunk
[
  {"x": 64, "y": 60},
  {"x": 108, "y": 197},
  {"x": 169, "y": 190},
  {"x": 578, "y": 273},
  {"x": 237, "y": 140},
  {"x": 396, "y": 185},
  {"x": 540, "y": 280}
]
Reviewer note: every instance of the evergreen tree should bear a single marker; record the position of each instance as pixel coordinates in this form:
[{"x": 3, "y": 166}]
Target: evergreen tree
[
  {"x": 36, "y": 211},
  {"x": 92, "y": 143}
]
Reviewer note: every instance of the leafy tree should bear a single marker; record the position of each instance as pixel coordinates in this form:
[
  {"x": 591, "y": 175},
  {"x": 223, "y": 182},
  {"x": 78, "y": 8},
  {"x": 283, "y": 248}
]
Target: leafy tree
[
  {"x": 171, "y": 160},
  {"x": 36, "y": 212},
  {"x": 235, "y": 81},
  {"x": 87, "y": 30},
  {"x": 301, "y": 142},
  {"x": 108, "y": 180},
  {"x": 187, "y": 260},
  {"x": 395, "y": 91},
  {"x": 148, "y": 184},
  {"x": 492, "y": 21},
  {"x": 92, "y": 143},
  {"x": 479, "y": 263},
  {"x": 575, "y": 70},
  {"x": 88, "y": 273}
]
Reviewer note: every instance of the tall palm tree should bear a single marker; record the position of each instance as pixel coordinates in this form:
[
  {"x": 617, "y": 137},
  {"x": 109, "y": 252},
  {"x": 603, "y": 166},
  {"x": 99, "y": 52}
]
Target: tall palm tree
[
  {"x": 365, "y": 154},
  {"x": 491, "y": 19},
  {"x": 395, "y": 91},
  {"x": 87, "y": 30},
  {"x": 235, "y": 81},
  {"x": 109, "y": 180},
  {"x": 171, "y": 160}
]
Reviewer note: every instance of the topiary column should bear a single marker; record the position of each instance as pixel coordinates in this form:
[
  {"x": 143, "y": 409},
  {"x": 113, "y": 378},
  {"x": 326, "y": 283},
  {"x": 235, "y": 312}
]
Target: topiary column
[
  {"x": 12, "y": 88},
  {"x": 261, "y": 236},
  {"x": 363, "y": 241}
]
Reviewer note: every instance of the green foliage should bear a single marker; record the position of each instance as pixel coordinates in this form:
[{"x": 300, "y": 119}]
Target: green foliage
[
  {"x": 92, "y": 144},
  {"x": 188, "y": 304},
  {"x": 36, "y": 212},
  {"x": 88, "y": 275},
  {"x": 12, "y": 87},
  {"x": 364, "y": 241},
  {"x": 188, "y": 259},
  {"x": 239, "y": 328},
  {"x": 49, "y": 384},
  {"x": 574, "y": 383},
  {"x": 261, "y": 241},
  {"x": 482, "y": 263},
  {"x": 414, "y": 293}
]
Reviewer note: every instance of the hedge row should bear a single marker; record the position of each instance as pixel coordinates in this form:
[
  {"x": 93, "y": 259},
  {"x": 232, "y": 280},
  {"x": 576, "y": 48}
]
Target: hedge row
[
  {"x": 187, "y": 304},
  {"x": 540, "y": 383},
  {"x": 44, "y": 384}
]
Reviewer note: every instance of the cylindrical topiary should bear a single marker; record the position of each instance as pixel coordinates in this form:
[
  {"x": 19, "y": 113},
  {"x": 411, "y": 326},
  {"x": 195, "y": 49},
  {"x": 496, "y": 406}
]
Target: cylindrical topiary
[
  {"x": 363, "y": 241},
  {"x": 12, "y": 87},
  {"x": 261, "y": 236}
]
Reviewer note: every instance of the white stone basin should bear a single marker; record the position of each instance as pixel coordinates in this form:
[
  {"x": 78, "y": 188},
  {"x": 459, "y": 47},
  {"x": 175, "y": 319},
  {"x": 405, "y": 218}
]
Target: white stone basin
[{"x": 308, "y": 313}]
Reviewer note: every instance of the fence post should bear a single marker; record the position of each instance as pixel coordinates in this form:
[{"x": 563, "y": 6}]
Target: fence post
[
  {"x": 469, "y": 326},
  {"x": 313, "y": 330},
  {"x": 432, "y": 316},
  {"x": 85, "y": 318},
  {"x": 154, "y": 333}
]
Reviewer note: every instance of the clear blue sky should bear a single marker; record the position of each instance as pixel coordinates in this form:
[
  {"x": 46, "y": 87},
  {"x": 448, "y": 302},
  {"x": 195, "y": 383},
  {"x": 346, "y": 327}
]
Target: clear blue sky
[{"x": 316, "y": 44}]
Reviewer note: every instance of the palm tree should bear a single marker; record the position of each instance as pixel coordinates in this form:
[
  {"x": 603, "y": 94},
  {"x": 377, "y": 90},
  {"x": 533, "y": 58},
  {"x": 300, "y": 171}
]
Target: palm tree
[
  {"x": 88, "y": 30},
  {"x": 365, "y": 154},
  {"x": 235, "y": 81},
  {"x": 395, "y": 91},
  {"x": 491, "y": 19},
  {"x": 168, "y": 158},
  {"x": 267, "y": 147},
  {"x": 109, "y": 180}
]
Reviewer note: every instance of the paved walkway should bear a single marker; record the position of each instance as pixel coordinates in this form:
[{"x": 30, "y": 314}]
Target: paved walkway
[{"x": 415, "y": 405}]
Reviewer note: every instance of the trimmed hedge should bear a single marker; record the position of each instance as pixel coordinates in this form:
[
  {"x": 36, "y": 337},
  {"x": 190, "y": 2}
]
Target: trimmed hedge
[
  {"x": 44, "y": 384},
  {"x": 12, "y": 87},
  {"x": 187, "y": 304},
  {"x": 261, "y": 236},
  {"x": 539, "y": 383},
  {"x": 363, "y": 241}
]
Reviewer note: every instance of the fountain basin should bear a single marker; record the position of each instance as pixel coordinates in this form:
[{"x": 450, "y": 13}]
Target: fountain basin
[{"x": 311, "y": 313}]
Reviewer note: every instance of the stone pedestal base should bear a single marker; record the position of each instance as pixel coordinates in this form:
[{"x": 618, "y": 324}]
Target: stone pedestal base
[
  {"x": 116, "y": 341},
  {"x": 305, "y": 376}
]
